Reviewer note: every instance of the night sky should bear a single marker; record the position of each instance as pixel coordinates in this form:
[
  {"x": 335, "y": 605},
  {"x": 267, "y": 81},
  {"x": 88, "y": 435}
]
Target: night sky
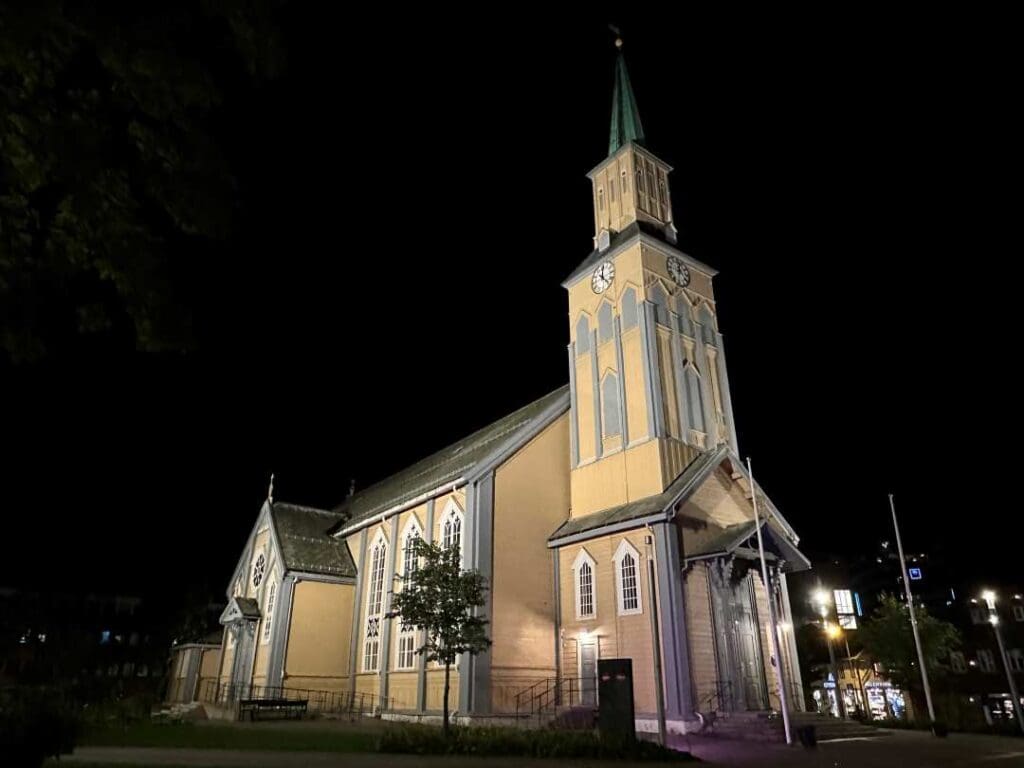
[{"x": 413, "y": 191}]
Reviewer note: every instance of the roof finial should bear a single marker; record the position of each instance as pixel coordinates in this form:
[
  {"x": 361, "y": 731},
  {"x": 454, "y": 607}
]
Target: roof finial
[
  {"x": 352, "y": 488},
  {"x": 270, "y": 490}
]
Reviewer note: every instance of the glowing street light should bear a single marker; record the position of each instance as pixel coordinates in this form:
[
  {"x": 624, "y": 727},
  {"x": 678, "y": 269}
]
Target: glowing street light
[{"x": 993, "y": 618}]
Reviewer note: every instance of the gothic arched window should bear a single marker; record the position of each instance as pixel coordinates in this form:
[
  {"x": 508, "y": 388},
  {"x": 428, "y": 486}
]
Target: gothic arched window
[
  {"x": 582, "y": 335},
  {"x": 610, "y": 417},
  {"x": 586, "y": 588},
  {"x": 374, "y": 604},
  {"x": 660, "y": 300},
  {"x": 627, "y": 579},
  {"x": 627, "y": 310},
  {"x": 605, "y": 324}
]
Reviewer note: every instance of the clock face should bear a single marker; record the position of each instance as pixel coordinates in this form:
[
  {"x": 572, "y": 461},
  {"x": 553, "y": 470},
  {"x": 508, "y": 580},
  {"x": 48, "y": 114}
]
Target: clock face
[
  {"x": 603, "y": 277},
  {"x": 678, "y": 272}
]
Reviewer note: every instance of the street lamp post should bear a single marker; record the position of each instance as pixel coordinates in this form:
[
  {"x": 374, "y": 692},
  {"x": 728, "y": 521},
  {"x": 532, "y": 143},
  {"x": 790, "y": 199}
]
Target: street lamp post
[
  {"x": 821, "y": 598},
  {"x": 990, "y": 600}
]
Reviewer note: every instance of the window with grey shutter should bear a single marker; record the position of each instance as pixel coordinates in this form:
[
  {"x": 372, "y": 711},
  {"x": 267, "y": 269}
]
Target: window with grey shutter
[
  {"x": 604, "y": 322},
  {"x": 685, "y": 321},
  {"x": 660, "y": 300},
  {"x": 628, "y": 309},
  {"x": 707, "y": 323},
  {"x": 582, "y": 336},
  {"x": 694, "y": 400},
  {"x": 610, "y": 405}
]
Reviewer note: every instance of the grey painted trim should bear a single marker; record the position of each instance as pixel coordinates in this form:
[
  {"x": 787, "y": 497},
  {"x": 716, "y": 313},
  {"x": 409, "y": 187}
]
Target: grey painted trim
[
  {"x": 741, "y": 468},
  {"x": 796, "y": 683},
  {"x": 481, "y": 665},
  {"x": 595, "y": 380},
  {"x": 282, "y": 625},
  {"x": 574, "y": 414},
  {"x": 677, "y": 375},
  {"x": 357, "y": 611},
  {"x": 557, "y": 570},
  {"x": 308, "y": 576},
  {"x": 654, "y": 366},
  {"x": 723, "y": 384},
  {"x": 520, "y": 438},
  {"x": 385, "y": 640},
  {"x": 246, "y": 557},
  {"x": 622, "y": 381},
  {"x": 604, "y": 530},
  {"x": 469, "y": 560},
  {"x": 421, "y": 674},
  {"x": 710, "y": 418},
  {"x": 192, "y": 675},
  {"x": 672, "y": 612},
  {"x": 583, "y": 270},
  {"x": 645, "y": 354}
]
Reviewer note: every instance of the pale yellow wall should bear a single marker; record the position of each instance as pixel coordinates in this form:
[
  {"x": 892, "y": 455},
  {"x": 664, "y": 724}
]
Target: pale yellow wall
[
  {"x": 435, "y": 689},
  {"x": 700, "y": 633},
  {"x": 617, "y": 636},
  {"x": 638, "y": 202},
  {"x": 531, "y": 499},
  {"x": 318, "y": 641},
  {"x": 228, "y": 653}
]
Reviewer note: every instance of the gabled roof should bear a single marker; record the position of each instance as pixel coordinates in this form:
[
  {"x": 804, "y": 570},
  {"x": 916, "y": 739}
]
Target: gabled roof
[
  {"x": 455, "y": 463},
  {"x": 659, "y": 504},
  {"x": 306, "y": 545},
  {"x": 240, "y": 608}
]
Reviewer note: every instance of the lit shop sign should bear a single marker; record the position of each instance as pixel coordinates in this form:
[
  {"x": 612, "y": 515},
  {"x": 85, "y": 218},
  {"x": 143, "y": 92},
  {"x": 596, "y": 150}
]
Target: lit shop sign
[
  {"x": 845, "y": 608},
  {"x": 915, "y": 574}
]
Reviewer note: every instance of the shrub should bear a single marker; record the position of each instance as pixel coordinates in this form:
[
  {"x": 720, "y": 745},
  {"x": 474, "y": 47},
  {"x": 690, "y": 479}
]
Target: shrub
[
  {"x": 35, "y": 725},
  {"x": 492, "y": 741}
]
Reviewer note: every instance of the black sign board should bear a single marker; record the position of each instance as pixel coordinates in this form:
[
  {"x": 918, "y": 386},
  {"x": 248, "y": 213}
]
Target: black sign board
[{"x": 615, "y": 697}]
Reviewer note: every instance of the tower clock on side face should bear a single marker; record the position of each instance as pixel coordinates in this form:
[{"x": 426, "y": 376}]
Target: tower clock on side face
[
  {"x": 678, "y": 272},
  {"x": 603, "y": 277}
]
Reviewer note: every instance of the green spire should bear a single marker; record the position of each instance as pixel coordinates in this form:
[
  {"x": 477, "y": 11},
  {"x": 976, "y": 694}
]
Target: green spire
[{"x": 625, "y": 116}]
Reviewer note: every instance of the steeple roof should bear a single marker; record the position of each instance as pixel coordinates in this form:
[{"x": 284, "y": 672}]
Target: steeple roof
[{"x": 626, "y": 126}]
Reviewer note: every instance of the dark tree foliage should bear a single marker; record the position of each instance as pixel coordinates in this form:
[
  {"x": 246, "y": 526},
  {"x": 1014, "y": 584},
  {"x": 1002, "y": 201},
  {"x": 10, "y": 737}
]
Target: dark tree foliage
[
  {"x": 440, "y": 599},
  {"x": 115, "y": 180}
]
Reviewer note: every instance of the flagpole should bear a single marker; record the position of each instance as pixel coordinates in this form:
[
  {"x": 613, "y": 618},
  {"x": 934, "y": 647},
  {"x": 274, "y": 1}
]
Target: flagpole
[
  {"x": 913, "y": 617},
  {"x": 783, "y": 694}
]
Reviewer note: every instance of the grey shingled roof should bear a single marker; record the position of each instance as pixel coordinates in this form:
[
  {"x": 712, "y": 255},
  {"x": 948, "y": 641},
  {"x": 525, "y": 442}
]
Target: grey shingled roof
[
  {"x": 248, "y": 606},
  {"x": 305, "y": 543},
  {"x": 714, "y": 541},
  {"x": 448, "y": 464},
  {"x": 651, "y": 505}
]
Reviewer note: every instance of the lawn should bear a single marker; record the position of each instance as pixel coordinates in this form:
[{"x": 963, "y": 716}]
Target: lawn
[{"x": 289, "y": 737}]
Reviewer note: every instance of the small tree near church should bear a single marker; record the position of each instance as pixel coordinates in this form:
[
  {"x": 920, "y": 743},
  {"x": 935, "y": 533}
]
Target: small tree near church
[{"x": 439, "y": 599}]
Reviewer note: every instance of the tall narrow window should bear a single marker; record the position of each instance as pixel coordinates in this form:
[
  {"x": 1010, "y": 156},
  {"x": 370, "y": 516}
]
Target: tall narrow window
[
  {"x": 600, "y": 198},
  {"x": 586, "y": 595},
  {"x": 582, "y": 336},
  {"x": 694, "y": 400},
  {"x": 627, "y": 578},
  {"x": 707, "y": 325},
  {"x": 374, "y": 605},
  {"x": 627, "y": 310},
  {"x": 611, "y": 189},
  {"x": 611, "y": 422},
  {"x": 451, "y": 527},
  {"x": 660, "y": 300},
  {"x": 625, "y": 186},
  {"x": 605, "y": 323},
  {"x": 409, "y": 560},
  {"x": 268, "y": 611}
]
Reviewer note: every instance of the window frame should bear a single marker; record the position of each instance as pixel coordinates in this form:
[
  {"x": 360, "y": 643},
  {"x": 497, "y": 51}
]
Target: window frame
[
  {"x": 625, "y": 549},
  {"x": 269, "y": 606},
  {"x": 453, "y": 512},
  {"x": 371, "y": 645},
  {"x": 584, "y": 558}
]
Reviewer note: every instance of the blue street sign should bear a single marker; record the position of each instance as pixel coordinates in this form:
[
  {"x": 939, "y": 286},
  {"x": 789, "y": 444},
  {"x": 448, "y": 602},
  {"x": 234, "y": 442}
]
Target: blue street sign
[{"x": 915, "y": 574}]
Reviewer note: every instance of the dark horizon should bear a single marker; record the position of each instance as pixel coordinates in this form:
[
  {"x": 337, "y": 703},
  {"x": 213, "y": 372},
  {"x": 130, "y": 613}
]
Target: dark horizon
[{"x": 410, "y": 198}]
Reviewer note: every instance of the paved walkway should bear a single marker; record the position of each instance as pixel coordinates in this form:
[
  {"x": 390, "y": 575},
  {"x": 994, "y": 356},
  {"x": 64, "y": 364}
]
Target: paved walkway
[{"x": 901, "y": 749}]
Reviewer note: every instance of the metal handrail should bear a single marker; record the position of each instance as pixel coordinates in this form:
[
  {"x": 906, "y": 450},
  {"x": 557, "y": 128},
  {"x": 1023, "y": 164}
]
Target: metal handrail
[
  {"x": 354, "y": 703},
  {"x": 721, "y": 687},
  {"x": 547, "y": 694}
]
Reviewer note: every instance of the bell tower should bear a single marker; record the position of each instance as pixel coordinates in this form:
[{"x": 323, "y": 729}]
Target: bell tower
[{"x": 647, "y": 375}]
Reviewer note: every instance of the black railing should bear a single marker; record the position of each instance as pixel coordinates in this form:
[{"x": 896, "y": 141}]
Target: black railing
[
  {"x": 353, "y": 703},
  {"x": 546, "y": 695},
  {"x": 718, "y": 699}
]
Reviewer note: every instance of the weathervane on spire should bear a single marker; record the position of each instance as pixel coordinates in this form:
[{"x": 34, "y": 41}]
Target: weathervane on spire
[
  {"x": 270, "y": 490},
  {"x": 618, "y": 35}
]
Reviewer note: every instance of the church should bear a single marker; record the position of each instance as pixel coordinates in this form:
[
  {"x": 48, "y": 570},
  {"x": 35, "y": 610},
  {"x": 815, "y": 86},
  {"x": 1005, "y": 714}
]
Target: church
[{"x": 612, "y": 518}]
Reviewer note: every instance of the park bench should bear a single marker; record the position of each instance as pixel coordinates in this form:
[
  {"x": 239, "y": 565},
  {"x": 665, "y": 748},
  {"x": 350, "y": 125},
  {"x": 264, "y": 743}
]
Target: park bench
[{"x": 284, "y": 707}]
